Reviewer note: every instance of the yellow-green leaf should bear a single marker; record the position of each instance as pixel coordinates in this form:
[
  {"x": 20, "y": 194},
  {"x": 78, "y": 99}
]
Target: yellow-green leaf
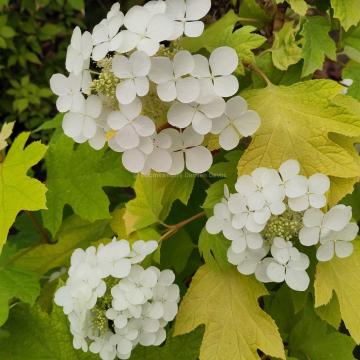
[
  {"x": 295, "y": 124},
  {"x": 235, "y": 326},
  {"x": 285, "y": 51},
  {"x": 347, "y": 11},
  {"x": 299, "y": 6},
  {"x": 155, "y": 194},
  {"x": 341, "y": 276},
  {"x": 5, "y": 133},
  {"x": 19, "y": 191}
]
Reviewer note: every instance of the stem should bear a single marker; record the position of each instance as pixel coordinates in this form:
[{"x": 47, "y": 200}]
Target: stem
[
  {"x": 38, "y": 227},
  {"x": 248, "y": 20},
  {"x": 260, "y": 73},
  {"x": 173, "y": 229}
]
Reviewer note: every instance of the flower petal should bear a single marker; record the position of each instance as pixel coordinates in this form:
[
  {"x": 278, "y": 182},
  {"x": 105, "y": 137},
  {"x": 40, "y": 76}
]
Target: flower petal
[
  {"x": 198, "y": 159},
  {"x": 226, "y": 86},
  {"x": 297, "y": 280},
  {"x": 133, "y": 160},
  {"x": 223, "y": 61},
  {"x": 183, "y": 63},
  {"x": 229, "y": 138},
  {"x": 187, "y": 89},
  {"x": 309, "y": 236}
]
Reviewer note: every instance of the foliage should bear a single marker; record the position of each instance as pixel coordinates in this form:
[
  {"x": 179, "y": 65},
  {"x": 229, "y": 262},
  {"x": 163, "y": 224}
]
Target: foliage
[{"x": 56, "y": 196}]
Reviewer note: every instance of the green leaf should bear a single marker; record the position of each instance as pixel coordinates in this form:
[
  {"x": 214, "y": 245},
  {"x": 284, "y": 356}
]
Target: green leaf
[
  {"x": 330, "y": 312},
  {"x": 341, "y": 276},
  {"x": 76, "y": 177},
  {"x": 77, "y": 4},
  {"x": 183, "y": 347},
  {"x": 16, "y": 283},
  {"x": 317, "y": 44},
  {"x": 307, "y": 108},
  {"x": 214, "y": 248},
  {"x": 175, "y": 251},
  {"x": 352, "y": 71},
  {"x": 39, "y": 336},
  {"x": 74, "y": 233},
  {"x": 18, "y": 191},
  {"x": 222, "y": 33},
  {"x": 7, "y": 32},
  {"x": 347, "y": 11},
  {"x": 285, "y": 51},
  {"x": 313, "y": 338},
  {"x": 155, "y": 194},
  {"x": 215, "y": 193},
  {"x": 33, "y": 58},
  {"x": 20, "y": 105},
  {"x": 276, "y": 76},
  {"x": 235, "y": 326},
  {"x": 351, "y": 42},
  {"x": 251, "y": 9}
]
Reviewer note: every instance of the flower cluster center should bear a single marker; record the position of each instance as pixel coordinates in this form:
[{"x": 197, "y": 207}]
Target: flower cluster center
[{"x": 286, "y": 226}]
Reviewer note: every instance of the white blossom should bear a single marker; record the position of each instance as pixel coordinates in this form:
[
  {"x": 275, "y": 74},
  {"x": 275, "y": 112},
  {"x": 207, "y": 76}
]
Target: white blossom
[
  {"x": 318, "y": 185},
  {"x": 248, "y": 261},
  {"x": 106, "y": 36},
  {"x": 139, "y": 302},
  {"x": 186, "y": 14},
  {"x": 133, "y": 73},
  {"x": 79, "y": 51},
  {"x": 289, "y": 265},
  {"x": 186, "y": 151},
  {"x": 68, "y": 90},
  {"x": 145, "y": 30},
  {"x": 81, "y": 125},
  {"x": 153, "y": 153},
  {"x": 215, "y": 74},
  {"x": 295, "y": 185},
  {"x": 130, "y": 126},
  {"x": 236, "y": 122},
  {"x": 199, "y": 116},
  {"x": 318, "y": 225},
  {"x": 337, "y": 242},
  {"x": 170, "y": 77},
  {"x": 258, "y": 217}
]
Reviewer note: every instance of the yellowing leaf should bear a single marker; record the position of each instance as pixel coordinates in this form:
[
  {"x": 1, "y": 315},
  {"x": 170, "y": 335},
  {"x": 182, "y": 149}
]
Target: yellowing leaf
[
  {"x": 5, "y": 133},
  {"x": 155, "y": 194},
  {"x": 285, "y": 51},
  {"x": 341, "y": 276},
  {"x": 295, "y": 124},
  {"x": 299, "y": 6},
  {"x": 17, "y": 190},
  {"x": 235, "y": 326},
  {"x": 347, "y": 11}
]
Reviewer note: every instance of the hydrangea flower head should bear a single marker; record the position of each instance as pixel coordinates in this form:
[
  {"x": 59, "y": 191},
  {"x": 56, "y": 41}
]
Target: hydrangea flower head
[
  {"x": 268, "y": 230},
  {"x": 120, "y": 74},
  {"x": 113, "y": 303}
]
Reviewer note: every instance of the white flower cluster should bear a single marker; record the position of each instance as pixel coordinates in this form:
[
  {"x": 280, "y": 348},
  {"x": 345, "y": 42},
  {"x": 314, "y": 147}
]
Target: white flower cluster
[
  {"x": 113, "y": 303},
  {"x": 271, "y": 214},
  {"x": 124, "y": 55}
]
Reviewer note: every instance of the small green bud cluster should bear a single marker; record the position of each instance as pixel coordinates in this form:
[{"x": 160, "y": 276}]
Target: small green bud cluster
[
  {"x": 286, "y": 226},
  {"x": 100, "y": 321},
  {"x": 106, "y": 84}
]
